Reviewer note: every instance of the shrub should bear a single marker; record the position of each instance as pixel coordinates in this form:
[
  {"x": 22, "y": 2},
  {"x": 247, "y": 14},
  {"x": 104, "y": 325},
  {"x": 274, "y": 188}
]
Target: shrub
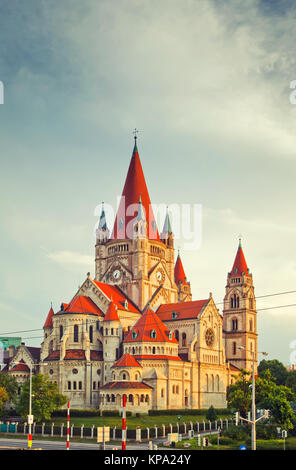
[
  {"x": 211, "y": 414},
  {"x": 237, "y": 433},
  {"x": 199, "y": 412}
]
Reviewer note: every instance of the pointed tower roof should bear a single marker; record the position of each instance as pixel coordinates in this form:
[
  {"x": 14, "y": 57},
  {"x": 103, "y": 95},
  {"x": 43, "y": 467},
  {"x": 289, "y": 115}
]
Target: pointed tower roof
[
  {"x": 240, "y": 264},
  {"x": 102, "y": 223},
  {"x": 134, "y": 189},
  {"x": 149, "y": 328},
  {"x": 167, "y": 228},
  {"x": 48, "y": 322},
  {"x": 179, "y": 271},
  {"x": 111, "y": 314}
]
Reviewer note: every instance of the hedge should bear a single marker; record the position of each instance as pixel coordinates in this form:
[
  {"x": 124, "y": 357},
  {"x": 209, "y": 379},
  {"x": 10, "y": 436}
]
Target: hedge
[
  {"x": 199, "y": 412},
  {"x": 87, "y": 413}
]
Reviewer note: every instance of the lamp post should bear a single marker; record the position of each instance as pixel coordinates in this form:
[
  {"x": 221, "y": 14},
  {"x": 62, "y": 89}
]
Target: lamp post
[
  {"x": 253, "y": 420},
  {"x": 30, "y": 416}
]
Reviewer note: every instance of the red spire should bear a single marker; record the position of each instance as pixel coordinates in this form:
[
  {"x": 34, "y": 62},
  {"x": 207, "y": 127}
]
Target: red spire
[
  {"x": 239, "y": 265},
  {"x": 135, "y": 189},
  {"x": 179, "y": 272},
  {"x": 48, "y": 321},
  {"x": 111, "y": 314}
]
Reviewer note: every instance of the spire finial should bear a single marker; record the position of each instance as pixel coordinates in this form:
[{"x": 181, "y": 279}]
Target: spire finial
[
  {"x": 239, "y": 241},
  {"x": 135, "y": 132}
]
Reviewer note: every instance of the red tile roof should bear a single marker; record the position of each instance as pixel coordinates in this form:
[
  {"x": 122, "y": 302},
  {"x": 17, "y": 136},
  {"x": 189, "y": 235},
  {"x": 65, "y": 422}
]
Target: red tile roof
[
  {"x": 118, "y": 298},
  {"x": 234, "y": 368},
  {"x": 157, "y": 357},
  {"x": 75, "y": 354},
  {"x": 53, "y": 356},
  {"x": 96, "y": 355},
  {"x": 111, "y": 314},
  {"x": 182, "y": 310},
  {"x": 143, "y": 328},
  {"x": 179, "y": 272},
  {"x": 125, "y": 385},
  {"x": 20, "y": 367},
  {"x": 83, "y": 304},
  {"x": 134, "y": 188},
  {"x": 239, "y": 265},
  {"x": 126, "y": 361},
  {"x": 48, "y": 321}
]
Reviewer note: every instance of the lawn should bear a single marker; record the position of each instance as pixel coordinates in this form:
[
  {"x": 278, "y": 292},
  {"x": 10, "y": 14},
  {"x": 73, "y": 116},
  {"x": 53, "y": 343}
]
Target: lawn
[
  {"x": 273, "y": 444},
  {"x": 132, "y": 421}
]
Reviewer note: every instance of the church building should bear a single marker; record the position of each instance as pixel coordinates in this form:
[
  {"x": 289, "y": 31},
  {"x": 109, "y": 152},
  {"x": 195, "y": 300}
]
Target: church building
[{"x": 133, "y": 327}]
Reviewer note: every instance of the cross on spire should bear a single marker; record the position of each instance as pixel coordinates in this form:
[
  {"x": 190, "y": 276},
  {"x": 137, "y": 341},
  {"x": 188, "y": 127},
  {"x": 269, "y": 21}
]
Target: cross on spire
[{"x": 135, "y": 132}]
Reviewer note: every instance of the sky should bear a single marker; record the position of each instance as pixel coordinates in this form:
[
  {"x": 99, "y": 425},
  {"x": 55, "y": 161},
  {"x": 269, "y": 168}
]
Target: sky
[{"x": 207, "y": 83}]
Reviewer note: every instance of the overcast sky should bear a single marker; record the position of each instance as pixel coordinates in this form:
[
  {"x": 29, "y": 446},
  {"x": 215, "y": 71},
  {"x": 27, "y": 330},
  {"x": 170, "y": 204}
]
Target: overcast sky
[{"x": 207, "y": 83}]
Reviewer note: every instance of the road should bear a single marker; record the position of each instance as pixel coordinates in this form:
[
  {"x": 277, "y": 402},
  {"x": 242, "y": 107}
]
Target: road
[
  {"x": 19, "y": 443},
  {"x": 8, "y": 444}
]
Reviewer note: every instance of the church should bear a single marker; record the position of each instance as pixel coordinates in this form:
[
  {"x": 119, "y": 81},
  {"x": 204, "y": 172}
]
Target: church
[{"x": 133, "y": 329}]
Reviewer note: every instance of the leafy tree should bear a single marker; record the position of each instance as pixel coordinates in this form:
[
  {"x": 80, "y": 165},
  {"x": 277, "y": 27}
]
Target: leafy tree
[
  {"x": 211, "y": 414},
  {"x": 10, "y": 384},
  {"x": 277, "y": 369},
  {"x": 45, "y": 398},
  {"x": 291, "y": 382},
  {"x": 3, "y": 398},
  {"x": 269, "y": 395},
  {"x": 239, "y": 394},
  {"x": 276, "y": 398}
]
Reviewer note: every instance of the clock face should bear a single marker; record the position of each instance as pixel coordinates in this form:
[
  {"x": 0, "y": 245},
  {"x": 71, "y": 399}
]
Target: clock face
[
  {"x": 209, "y": 337},
  {"x": 116, "y": 274},
  {"x": 159, "y": 276}
]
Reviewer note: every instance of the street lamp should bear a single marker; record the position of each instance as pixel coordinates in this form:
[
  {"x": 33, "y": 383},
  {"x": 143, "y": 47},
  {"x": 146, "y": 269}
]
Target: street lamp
[
  {"x": 253, "y": 421},
  {"x": 30, "y": 416}
]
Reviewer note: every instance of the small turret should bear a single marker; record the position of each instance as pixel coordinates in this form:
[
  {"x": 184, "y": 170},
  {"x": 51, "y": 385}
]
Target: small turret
[{"x": 102, "y": 230}]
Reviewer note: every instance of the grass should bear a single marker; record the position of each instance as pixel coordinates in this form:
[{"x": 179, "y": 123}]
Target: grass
[
  {"x": 131, "y": 421},
  {"x": 272, "y": 444}
]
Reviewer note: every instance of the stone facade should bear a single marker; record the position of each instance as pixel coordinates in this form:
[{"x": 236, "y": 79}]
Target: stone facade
[{"x": 134, "y": 328}]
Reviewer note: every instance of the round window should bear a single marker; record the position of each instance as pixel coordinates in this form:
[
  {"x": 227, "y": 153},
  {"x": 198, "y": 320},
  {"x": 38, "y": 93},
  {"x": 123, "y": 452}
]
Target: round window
[
  {"x": 51, "y": 371},
  {"x": 74, "y": 371},
  {"x": 209, "y": 336}
]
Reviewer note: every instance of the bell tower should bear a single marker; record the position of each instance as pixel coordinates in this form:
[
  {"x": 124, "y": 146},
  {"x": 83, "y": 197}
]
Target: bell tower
[
  {"x": 239, "y": 315},
  {"x": 135, "y": 258}
]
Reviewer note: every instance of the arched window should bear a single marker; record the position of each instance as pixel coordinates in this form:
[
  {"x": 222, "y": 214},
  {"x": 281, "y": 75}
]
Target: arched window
[
  {"x": 153, "y": 334},
  {"x": 251, "y": 325},
  {"x": 217, "y": 383},
  {"x": 183, "y": 339},
  {"x": 234, "y": 301},
  {"x": 234, "y": 348},
  {"x": 177, "y": 335},
  {"x": 61, "y": 331},
  {"x": 162, "y": 393},
  {"x": 234, "y": 324},
  {"x": 75, "y": 333},
  {"x": 153, "y": 350},
  {"x": 91, "y": 334}
]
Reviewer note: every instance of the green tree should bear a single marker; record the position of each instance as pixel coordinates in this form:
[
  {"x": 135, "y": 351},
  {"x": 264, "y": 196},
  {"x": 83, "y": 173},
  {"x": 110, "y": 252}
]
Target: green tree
[
  {"x": 276, "y": 398},
  {"x": 211, "y": 414},
  {"x": 291, "y": 382},
  {"x": 4, "y": 397},
  {"x": 277, "y": 369},
  {"x": 239, "y": 394},
  {"x": 10, "y": 384},
  {"x": 45, "y": 398}
]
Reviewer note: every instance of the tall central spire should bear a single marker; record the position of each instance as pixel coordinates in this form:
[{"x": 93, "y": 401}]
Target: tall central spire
[{"x": 135, "y": 190}]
